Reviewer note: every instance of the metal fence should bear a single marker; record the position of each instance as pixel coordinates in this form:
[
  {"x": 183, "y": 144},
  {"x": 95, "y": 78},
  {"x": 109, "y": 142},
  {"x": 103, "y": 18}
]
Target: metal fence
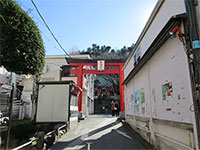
[
  {"x": 43, "y": 142},
  {"x": 18, "y": 109},
  {"x": 4, "y": 100}
]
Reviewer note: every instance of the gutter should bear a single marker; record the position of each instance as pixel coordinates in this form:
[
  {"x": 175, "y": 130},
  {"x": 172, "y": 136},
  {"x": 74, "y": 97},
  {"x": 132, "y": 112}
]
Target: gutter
[{"x": 162, "y": 37}]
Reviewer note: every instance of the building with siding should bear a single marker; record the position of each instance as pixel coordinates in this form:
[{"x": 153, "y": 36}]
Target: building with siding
[
  {"x": 55, "y": 70},
  {"x": 158, "y": 92}
]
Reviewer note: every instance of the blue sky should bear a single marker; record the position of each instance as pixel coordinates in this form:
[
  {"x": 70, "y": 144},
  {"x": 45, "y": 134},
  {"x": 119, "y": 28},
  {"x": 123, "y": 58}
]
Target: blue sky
[{"x": 78, "y": 24}]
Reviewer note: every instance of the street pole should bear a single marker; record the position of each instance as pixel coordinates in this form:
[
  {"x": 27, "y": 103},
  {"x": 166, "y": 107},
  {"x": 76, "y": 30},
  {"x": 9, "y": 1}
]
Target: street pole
[
  {"x": 33, "y": 99},
  {"x": 194, "y": 35},
  {"x": 10, "y": 115}
]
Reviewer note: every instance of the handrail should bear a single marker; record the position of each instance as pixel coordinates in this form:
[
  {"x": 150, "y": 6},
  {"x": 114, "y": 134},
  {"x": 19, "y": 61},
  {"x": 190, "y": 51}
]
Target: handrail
[
  {"x": 24, "y": 145},
  {"x": 34, "y": 139},
  {"x": 62, "y": 127}
]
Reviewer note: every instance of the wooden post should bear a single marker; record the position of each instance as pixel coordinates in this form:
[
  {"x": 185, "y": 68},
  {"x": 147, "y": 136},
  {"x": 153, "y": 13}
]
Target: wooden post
[
  {"x": 121, "y": 80},
  {"x": 80, "y": 84},
  {"x": 10, "y": 116}
]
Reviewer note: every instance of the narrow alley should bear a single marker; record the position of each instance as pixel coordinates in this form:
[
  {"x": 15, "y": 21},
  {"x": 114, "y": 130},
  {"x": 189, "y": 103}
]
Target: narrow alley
[
  {"x": 100, "y": 132},
  {"x": 66, "y": 66}
]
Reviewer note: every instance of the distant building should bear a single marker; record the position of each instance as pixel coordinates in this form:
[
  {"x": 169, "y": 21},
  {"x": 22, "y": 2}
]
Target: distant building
[
  {"x": 57, "y": 69},
  {"x": 6, "y": 80}
]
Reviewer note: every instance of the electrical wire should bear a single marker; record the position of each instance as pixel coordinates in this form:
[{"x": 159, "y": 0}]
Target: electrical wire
[
  {"x": 28, "y": 10},
  {"x": 60, "y": 51},
  {"x": 49, "y": 28},
  {"x": 34, "y": 16}
]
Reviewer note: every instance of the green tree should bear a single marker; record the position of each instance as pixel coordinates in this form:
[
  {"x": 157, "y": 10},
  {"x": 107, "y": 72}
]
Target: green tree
[
  {"x": 21, "y": 46},
  {"x": 106, "y": 52}
]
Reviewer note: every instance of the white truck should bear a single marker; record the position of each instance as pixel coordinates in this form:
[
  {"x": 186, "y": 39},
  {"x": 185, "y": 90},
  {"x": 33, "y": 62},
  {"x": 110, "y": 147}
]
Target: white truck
[{"x": 56, "y": 101}]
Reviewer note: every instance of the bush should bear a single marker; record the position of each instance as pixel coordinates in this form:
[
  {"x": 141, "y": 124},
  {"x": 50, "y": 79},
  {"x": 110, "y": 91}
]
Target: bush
[{"x": 23, "y": 129}]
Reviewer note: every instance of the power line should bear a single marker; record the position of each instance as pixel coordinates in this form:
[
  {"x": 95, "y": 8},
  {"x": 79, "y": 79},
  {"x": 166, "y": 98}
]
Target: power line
[
  {"x": 30, "y": 10},
  {"x": 25, "y": 7},
  {"x": 49, "y": 28},
  {"x": 60, "y": 51}
]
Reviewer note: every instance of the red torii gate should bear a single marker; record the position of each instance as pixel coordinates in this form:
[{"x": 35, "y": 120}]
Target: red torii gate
[{"x": 79, "y": 71}]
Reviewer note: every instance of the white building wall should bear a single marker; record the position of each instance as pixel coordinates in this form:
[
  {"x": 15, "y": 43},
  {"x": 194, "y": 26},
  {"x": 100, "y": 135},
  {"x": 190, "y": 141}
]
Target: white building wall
[
  {"x": 153, "y": 27},
  {"x": 169, "y": 64},
  {"x": 166, "y": 121},
  {"x": 51, "y": 72},
  {"x": 4, "y": 76}
]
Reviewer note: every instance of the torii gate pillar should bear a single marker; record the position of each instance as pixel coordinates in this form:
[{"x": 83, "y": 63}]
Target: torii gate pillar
[
  {"x": 122, "y": 99},
  {"x": 80, "y": 84}
]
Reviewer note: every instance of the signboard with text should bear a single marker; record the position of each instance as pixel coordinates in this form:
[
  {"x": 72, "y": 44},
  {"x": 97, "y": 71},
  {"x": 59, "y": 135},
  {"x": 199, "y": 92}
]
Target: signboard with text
[{"x": 100, "y": 65}]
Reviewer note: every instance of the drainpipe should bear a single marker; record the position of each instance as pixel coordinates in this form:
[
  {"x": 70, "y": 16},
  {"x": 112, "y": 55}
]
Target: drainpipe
[{"x": 194, "y": 34}]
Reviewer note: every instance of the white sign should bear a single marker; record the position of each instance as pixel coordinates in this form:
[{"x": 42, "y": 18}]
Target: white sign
[{"x": 100, "y": 65}]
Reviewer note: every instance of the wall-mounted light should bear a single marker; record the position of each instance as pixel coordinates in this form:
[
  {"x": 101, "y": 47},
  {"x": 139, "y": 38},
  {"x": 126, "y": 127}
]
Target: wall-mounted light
[{"x": 176, "y": 31}]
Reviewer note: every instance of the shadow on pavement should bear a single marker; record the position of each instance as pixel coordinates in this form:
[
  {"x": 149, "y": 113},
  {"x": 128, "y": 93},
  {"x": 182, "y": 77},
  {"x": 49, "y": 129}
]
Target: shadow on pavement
[
  {"x": 78, "y": 140},
  {"x": 116, "y": 139},
  {"x": 120, "y": 138}
]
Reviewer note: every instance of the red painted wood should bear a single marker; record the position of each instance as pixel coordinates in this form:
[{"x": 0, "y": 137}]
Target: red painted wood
[
  {"x": 108, "y": 71},
  {"x": 121, "y": 79},
  {"x": 95, "y": 64},
  {"x": 74, "y": 71},
  {"x": 80, "y": 71},
  {"x": 80, "y": 84}
]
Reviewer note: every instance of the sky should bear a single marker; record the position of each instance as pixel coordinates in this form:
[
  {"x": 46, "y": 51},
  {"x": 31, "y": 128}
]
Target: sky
[{"x": 77, "y": 24}]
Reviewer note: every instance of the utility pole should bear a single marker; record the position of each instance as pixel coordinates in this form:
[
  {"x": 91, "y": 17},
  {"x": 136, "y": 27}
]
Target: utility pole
[
  {"x": 192, "y": 10},
  {"x": 33, "y": 98},
  {"x": 10, "y": 115}
]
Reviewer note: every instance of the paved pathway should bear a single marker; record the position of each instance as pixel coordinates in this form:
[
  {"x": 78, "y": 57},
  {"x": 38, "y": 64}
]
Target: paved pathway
[{"x": 99, "y": 132}]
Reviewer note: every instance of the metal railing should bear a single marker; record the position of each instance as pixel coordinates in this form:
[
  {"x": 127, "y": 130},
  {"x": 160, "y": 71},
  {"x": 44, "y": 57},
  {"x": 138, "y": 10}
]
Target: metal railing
[
  {"x": 33, "y": 141},
  {"x": 4, "y": 100}
]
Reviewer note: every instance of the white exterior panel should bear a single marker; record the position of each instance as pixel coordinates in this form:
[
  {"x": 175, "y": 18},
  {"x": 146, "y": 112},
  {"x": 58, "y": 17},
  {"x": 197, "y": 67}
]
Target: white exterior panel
[
  {"x": 168, "y": 9},
  {"x": 168, "y": 65},
  {"x": 158, "y": 97},
  {"x": 54, "y": 106}
]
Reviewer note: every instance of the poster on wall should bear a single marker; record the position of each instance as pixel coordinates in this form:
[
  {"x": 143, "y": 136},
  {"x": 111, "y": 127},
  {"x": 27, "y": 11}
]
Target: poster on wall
[
  {"x": 136, "y": 102},
  {"x": 136, "y": 109},
  {"x": 136, "y": 95},
  {"x": 141, "y": 96},
  {"x": 139, "y": 101},
  {"x": 167, "y": 90},
  {"x": 129, "y": 105}
]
